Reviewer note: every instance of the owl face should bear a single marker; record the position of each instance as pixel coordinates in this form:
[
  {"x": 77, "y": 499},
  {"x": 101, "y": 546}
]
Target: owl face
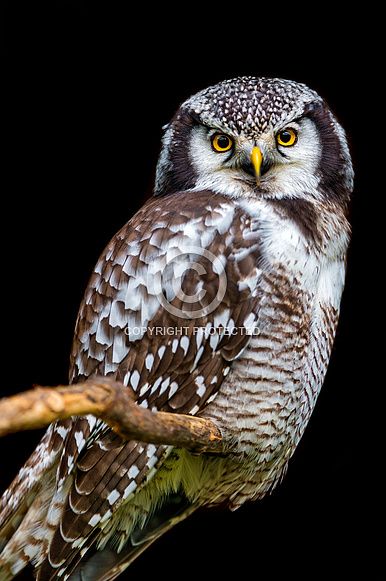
[
  {"x": 281, "y": 160},
  {"x": 254, "y": 137}
]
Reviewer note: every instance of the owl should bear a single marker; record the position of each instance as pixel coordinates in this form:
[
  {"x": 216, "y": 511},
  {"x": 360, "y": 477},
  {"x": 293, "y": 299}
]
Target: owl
[{"x": 219, "y": 298}]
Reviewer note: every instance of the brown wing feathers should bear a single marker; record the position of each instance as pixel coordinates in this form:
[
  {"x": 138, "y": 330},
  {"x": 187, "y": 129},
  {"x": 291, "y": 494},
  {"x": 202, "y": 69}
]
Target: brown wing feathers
[{"x": 174, "y": 372}]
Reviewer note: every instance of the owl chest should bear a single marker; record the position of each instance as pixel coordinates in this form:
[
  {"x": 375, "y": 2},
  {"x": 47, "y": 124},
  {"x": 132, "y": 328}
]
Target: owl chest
[
  {"x": 267, "y": 399},
  {"x": 261, "y": 397}
]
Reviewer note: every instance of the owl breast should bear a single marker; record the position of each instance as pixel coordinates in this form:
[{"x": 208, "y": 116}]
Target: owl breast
[{"x": 268, "y": 397}]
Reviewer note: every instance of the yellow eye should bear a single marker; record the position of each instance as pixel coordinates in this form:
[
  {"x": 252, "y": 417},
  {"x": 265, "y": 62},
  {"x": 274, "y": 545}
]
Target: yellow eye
[
  {"x": 287, "y": 137},
  {"x": 221, "y": 143}
]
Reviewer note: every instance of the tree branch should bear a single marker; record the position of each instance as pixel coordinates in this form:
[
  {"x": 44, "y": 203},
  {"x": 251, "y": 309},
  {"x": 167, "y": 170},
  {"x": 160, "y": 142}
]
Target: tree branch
[{"x": 114, "y": 404}]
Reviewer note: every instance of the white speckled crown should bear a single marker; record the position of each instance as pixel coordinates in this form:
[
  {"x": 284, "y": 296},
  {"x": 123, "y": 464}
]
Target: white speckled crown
[{"x": 247, "y": 105}]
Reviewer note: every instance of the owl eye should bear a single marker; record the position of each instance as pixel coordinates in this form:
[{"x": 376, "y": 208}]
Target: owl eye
[
  {"x": 221, "y": 143},
  {"x": 287, "y": 137}
]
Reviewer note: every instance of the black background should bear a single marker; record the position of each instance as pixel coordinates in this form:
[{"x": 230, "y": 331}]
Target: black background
[{"x": 84, "y": 105}]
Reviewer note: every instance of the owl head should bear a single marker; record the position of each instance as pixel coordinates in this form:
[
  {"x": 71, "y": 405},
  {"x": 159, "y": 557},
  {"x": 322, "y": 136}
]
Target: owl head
[{"x": 256, "y": 137}]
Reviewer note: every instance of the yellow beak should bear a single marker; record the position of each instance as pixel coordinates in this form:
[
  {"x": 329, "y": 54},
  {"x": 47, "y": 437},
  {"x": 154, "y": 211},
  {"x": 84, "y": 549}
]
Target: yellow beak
[{"x": 257, "y": 160}]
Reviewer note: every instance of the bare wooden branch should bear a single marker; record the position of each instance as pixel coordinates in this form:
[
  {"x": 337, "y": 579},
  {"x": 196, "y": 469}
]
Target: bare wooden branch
[{"x": 114, "y": 404}]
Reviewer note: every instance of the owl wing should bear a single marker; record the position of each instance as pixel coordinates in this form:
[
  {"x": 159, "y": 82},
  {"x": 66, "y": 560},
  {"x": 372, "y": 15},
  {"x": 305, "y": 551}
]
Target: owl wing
[{"x": 172, "y": 352}]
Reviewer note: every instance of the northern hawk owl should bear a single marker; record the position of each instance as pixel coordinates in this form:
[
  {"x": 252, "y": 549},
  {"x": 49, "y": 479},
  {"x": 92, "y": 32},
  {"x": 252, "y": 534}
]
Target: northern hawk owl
[{"x": 220, "y": 297}]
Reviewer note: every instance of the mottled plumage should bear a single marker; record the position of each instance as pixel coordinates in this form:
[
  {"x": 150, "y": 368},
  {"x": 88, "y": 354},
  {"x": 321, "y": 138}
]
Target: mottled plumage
[{"x": 264, "y": 258}]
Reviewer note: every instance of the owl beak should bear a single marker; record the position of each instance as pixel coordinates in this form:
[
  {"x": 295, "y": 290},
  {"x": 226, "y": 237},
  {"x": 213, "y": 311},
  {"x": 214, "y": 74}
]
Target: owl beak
[{"x": 257, "y": 160}]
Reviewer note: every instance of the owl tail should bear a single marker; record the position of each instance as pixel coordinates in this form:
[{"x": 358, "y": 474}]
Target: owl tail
[
  {"x": 25, "y": 503},
  {"x": 106, "y": 564}
]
